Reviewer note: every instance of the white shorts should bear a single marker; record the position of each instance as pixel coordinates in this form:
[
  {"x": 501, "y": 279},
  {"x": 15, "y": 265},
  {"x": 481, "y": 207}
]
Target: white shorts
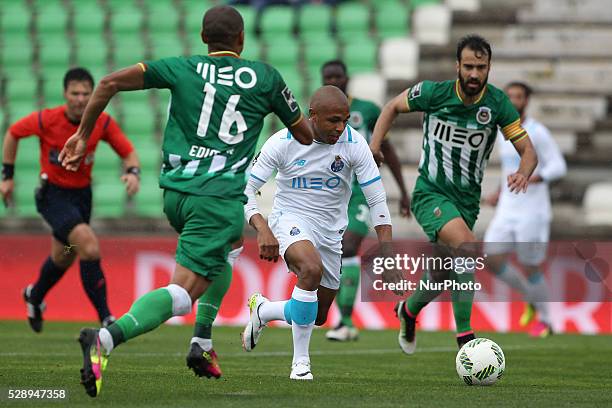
[
  {"x": 291, "y": 228},
  {"x": 527, "y": 236}
]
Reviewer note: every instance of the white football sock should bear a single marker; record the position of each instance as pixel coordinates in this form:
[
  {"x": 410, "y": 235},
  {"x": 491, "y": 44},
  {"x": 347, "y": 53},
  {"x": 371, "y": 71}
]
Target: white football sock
[
  {"x": 301, "y": 342},
  {"x": 303, "y": 300},
  {"x": 269, "y": 311},
  {"x": 206, "y": 344},
  {"x": 106, "y": 340}
]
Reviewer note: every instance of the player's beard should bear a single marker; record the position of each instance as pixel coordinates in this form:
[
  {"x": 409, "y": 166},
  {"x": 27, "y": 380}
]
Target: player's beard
[{"x": 469, "y": 92}]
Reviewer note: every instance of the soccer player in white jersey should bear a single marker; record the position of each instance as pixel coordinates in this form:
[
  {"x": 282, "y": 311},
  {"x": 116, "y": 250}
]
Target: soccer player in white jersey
[
  {"x": 309, "y": 217},
  {"x": 525, "y": 232}
]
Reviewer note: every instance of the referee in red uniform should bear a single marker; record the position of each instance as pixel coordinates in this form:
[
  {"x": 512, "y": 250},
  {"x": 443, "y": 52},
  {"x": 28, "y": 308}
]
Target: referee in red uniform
[{"x": 64, "y": 197}]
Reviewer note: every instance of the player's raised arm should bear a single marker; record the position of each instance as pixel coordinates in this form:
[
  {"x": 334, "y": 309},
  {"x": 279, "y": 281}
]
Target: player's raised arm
[
  {"x": 127, "y": 79},
  {"x": 389, "y": 112}
]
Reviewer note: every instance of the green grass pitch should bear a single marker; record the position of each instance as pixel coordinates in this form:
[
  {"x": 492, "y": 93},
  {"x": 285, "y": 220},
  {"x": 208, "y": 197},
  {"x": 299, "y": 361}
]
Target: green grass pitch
[{"x": 564, "y": 370}]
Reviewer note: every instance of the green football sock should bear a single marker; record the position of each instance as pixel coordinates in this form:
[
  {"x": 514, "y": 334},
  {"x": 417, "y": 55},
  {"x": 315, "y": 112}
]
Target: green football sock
[
  {"x": 421, "y": 297},
  {"x": 349, "y": 282},
  {"x": 462, "y": 303},
  {"x": 146, "y": 313},
  {"x": 209, "y": 303}
]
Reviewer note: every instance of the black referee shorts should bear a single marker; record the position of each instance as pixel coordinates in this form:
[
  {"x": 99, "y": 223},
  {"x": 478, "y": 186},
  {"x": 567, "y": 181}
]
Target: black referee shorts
[{"x": 63, "y": 208}]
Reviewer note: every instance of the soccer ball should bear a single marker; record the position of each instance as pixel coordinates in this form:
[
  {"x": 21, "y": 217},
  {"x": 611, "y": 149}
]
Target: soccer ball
[{"x": 480, "y": 362}]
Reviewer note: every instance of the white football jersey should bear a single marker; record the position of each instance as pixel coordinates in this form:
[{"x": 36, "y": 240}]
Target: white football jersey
[
  {"x": 314, "y": 181},
  {"x": 551, "y": 166}
]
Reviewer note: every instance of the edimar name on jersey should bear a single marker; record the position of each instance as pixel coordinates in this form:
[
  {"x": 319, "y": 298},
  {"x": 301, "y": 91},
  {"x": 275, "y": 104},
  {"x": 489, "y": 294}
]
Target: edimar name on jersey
[{"x": 200, "y": 152}]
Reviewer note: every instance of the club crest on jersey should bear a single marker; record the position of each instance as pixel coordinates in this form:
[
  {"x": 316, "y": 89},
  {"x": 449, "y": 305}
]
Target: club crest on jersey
[
  {"x": 484, "y": 115},
  {"x": 294, "y": 231},
  {"x": 356, "y": 119},
  {"x": 337, "y": 164}
]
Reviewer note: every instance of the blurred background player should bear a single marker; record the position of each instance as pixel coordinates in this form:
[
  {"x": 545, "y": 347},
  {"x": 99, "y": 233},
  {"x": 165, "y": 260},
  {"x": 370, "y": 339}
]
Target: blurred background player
[
  {"x": 522, "y": 223},
  {"x": 460, "y": 125},
  {"x": 218, "y": 105},
  {"x": 64, "y": 197},
  {"x": 363, "y": 118},
  {"x": 309, "y": 218}
]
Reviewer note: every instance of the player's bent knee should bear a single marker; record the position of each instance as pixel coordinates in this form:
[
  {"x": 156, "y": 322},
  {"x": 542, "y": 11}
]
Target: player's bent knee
[
  {"x": 311, "y": 274},
  {"x": 89, "y": 252},
  {"x": 181, "y": 301}
]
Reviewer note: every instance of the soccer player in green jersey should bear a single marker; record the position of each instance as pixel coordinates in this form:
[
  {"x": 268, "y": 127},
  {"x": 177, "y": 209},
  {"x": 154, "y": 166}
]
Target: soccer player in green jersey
[
  {"x": 363, "y": 118},
  {"x": 461, "y": 118},
  {"x": 216, "y": 112}
]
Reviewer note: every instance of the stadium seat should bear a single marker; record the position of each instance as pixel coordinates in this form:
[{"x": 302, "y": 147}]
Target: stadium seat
[
  {"x": 431, "y": 24},
  {"x": 392, "y": 19},
  {"x": 163, "y": 16},
  {"x": 193, "y": 12},
  {"x": 361, "y": 56},
  {"x": 28, "y": 154},
  {"x": 126, "y": 18},
  {"x": 26, "y": 182},
  {"x": 18, "y": 109},
  {"x": 352, "y": 21},
  {"x": 51, "y": 17},
  {"x": 88, "y": 18},
  {"x": 21, "y": 90},
  {"x": 105, "y": 159},
  {"x": 54, "y": 50},
  {"x": 53, "y": 86},
  {"x": 282, "y": 52},
  {"x": 109, "y": 196},
  {"x": 294, "y": 80},
  {"x": 17, "y": 52},
  {"x": 314, "y": 20},
  {"x": 596, "y": 204},
  {"x": 277, "y": 22},
  {"x": 91, "y": 51},
  {"x": 249, "y": 17},
  {"x": 371, "y": 86},
  {"x": 15, "y": 17},
  {"x": 252, "y": 48},
  {"x": 138, "y": 120},
  {"x": 399, "y": 58},
  {"x": 128, "y": 50},
  {"x": 166, "y": 44},
  {"x": 317, "y": 53},
  {"x": 148, "y": 202}
]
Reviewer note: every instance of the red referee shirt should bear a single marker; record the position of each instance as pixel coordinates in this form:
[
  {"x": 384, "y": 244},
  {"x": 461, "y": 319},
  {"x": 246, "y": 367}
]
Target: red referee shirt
[{"x": 53, "y": 128}]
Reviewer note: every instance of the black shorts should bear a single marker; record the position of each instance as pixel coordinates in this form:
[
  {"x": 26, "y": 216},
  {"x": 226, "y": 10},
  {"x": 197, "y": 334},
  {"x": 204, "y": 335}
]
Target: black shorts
[{"x": 63, "y": 208}]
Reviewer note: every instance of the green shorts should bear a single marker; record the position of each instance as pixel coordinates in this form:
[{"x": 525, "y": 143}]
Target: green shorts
[
  {"x": 432, "y": 208},
  {"x": 207, "y": 226},
  {"x": 358, "y": 213}
]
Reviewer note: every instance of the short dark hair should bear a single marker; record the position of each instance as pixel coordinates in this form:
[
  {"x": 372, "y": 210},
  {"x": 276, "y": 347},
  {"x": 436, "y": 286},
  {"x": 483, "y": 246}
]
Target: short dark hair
[
  {"x": 77, "y": 74},
  {"x": 526, "y": 88},
  {"x": 475, "y": 43},
  {"x": 221, "y": 26},
  {"x": 336, "y": 62}
]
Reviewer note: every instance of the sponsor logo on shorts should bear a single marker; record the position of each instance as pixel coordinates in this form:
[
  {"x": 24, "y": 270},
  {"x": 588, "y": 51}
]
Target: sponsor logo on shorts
[
  {"x": 294, "y": 231},
  {"x": 300, "y": 163},
  {"x": 484, "y": 115},
  {"x": 337, "y": 164}
]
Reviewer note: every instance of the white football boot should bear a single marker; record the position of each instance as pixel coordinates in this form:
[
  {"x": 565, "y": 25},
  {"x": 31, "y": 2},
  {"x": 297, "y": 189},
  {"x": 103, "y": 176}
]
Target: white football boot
[
  {"x": 301, "y": 371},
  {"x": 252, "y": 331},
  {"x": 342, "y": 333}
]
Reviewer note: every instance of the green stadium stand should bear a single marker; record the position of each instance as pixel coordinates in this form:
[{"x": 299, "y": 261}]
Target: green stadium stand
[
  {"x": 128, "y": 50},
  {"x": 352, "y": 21},
  {"x": 105, "y": 159},
  {"x": 139, "y": 121},
  {"x": 15, "y": 17},
  {"x": 28, "y": 155},
  {"x": 252, "y": 48},
  {"x": 54, "y": 50},
  {"x": 19, "y": 109},
  {"x": 277, "y": 22},
  {"x": 361, "y": 56},
  {"x": 193, "y": 12},
  {"x": 282, "y": 52},
  {"x": 53, "y": 86},
  {"x": 249, "y": 17},
  {"x": 51, "y": 17},
  {"x": 91, "y": 52},
  {"x": 88, "y": 18},
  {"x": 126, "y": 18},
  {"x": 26, "y": 181},
  {"x": 16, "y": 52},
  {"x": 21, "y": 90},
  {"x": 294, "y": 80},
  {"x": 418, "y": 3},
  {"x": 392, "y": 19},
  {"x": 317, "y": 53},
  {"x": 315, "y": 20},
  {"x": 148, "y": 202},
  {"x": 166, "y": 44},
  {"x": 163, "y": 16},
  {"x": 109, "y": 196}
]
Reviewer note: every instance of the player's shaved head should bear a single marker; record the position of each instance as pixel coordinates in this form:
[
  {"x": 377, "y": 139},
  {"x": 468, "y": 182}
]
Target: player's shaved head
[
  {"x": 327, "y": 97},
  {"x": 329, "y": 113},
  {"x": 222, "y": 28}
]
